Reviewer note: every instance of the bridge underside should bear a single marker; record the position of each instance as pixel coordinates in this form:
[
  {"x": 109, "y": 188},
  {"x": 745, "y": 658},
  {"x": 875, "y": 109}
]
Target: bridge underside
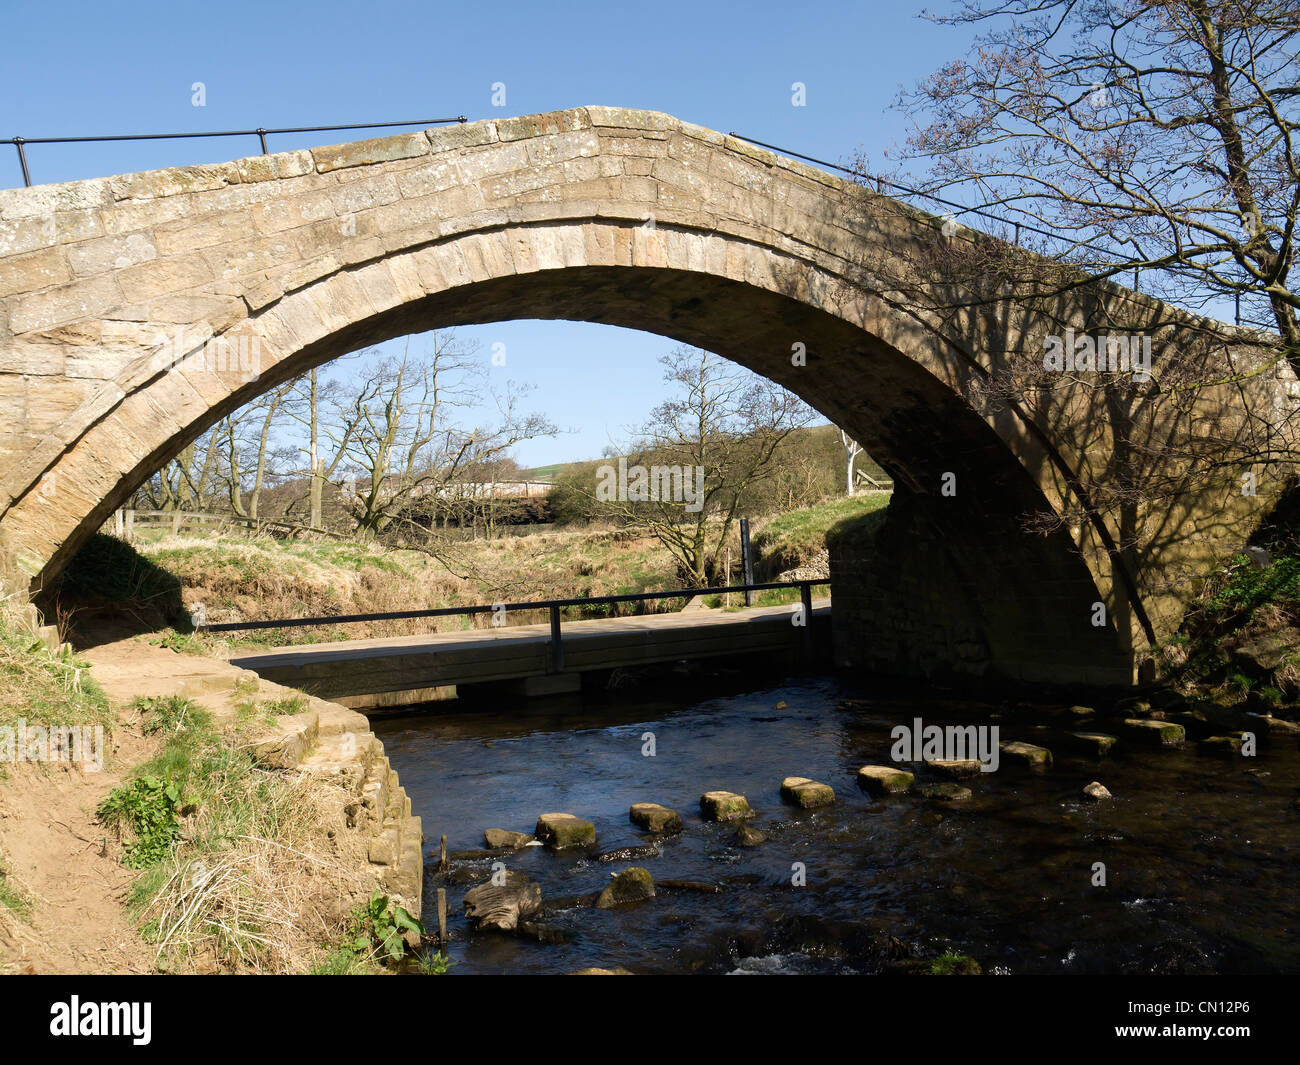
[{"x": 625, "y": 218}]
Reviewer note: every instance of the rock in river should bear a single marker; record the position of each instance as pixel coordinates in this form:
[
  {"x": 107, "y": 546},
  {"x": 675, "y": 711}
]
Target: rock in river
[
  {"x": 884, "y": 780},
  {"x": 1221, "y": 745},
  {"x": 500, "y": 907},
  {"x": 564, "y": 830},
  {"x": 1096, "y": 791},
  {"x": 1095, "y": 743},
  {"x": 724, "y": 806},
  {"x": 1026, "y": 754},
  {"x": 748, "y": 837},
  {"x": 947, "y": 792},
  {"x": 808, "y": 794},
  {"x": 500, "y": 837},
  {"x": 629, "y": 885},
  {"x": 1155, "y": 733},
  {"x": 957, "y": 769},
  {"x": 655, "y": 818}
]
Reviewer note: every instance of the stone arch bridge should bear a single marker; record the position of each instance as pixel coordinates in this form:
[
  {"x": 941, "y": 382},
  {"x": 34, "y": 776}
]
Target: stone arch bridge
[{"x": 137, "y": 310}]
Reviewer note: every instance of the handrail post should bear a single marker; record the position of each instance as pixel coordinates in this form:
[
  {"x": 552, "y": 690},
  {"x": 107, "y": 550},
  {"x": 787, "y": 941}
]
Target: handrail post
[
  {"x": 557, "y": 646},
  {"x": 805, "y": 597},
  {"x": 261, "y": 136},
  {"x": 22, "y": 161}
]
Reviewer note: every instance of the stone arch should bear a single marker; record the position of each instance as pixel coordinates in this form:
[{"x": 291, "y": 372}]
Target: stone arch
[{"x": 120, "y": 291}]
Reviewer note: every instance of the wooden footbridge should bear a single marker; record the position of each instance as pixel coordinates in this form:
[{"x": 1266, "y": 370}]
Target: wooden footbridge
[{"x": 539, "y": 659}]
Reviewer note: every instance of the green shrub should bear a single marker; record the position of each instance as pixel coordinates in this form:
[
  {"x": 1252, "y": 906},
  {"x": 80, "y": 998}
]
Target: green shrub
[{"x": 147, "y": 806}]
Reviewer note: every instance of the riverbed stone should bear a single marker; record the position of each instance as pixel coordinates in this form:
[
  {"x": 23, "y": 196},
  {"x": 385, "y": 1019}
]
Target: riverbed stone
[
  {"x": 655, "y": 818},
  {"x": 1096, "y": 743},
  {"x": 748, "y": 837},
  {"x": 627, "y": 885},
  {"x": 1025, "y": 754},
  {"x": 805, "y": 793},
  {"x": 1080, "y": 712},
  {"x": 956, "y": 768},
  {"x": 561, "y": 831},
  {"x": 884, "y": 780},
  {"x": 724, "y": 806},
  {"x": 497, "y": 838},
  {"x": 948, "y": 791},
  {"x": 1155, "y": 733},
  {"x": 1096, "y": 791}
]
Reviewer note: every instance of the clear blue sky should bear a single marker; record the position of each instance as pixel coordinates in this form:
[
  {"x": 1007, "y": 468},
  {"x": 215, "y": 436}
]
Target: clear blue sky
[{"x": 74, "y": 68}]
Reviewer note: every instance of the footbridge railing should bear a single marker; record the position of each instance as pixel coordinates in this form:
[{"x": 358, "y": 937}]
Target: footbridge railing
[{"x": 552, "y": 606}]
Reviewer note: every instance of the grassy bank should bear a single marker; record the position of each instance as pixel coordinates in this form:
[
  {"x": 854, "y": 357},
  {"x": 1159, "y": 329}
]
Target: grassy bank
[
  {"x": 44, "y": 687},
  {"x": 237, "y": 865}
]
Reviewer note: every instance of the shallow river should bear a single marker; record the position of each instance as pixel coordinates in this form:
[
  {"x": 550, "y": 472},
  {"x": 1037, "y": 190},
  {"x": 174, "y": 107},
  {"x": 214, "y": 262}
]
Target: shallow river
[{"x": 1202, "y": 855}]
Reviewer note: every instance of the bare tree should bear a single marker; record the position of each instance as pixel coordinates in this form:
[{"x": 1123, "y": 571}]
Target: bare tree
[
  {"x": 718, "y": 436},
  {"x": 250, "y": 429},
  {"x": 1115, "y": 136},
  {"x": 851, "y": 452},
  {"x": 397, "y": 428},
  {"x": 1155, "y": 136}
]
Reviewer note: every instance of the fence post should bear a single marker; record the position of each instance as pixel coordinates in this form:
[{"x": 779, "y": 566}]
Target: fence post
[
  {"x": 746, "y": 560},
  {"x": 130, "y": 525},
  {"x": 805, "y": 597},
  {"x": 557, "y": 648}
]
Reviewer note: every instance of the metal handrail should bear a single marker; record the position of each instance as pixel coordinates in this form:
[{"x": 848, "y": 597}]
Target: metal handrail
[
  {"x": 553, "y": 605},
  {"x": 260, "y": 133}
]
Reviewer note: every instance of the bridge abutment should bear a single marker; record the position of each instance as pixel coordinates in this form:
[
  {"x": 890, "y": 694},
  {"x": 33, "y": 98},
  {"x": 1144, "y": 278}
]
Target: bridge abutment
[{"x": 943, "y": 590}]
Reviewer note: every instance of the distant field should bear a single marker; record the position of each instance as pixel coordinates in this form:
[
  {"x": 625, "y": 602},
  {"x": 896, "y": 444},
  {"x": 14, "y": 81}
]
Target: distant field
[{"x": 545, "y": 474}]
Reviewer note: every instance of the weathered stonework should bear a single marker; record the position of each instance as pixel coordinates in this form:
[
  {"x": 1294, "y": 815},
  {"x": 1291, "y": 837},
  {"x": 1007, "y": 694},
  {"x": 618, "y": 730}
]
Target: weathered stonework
[{"x": 110, "y": 289}]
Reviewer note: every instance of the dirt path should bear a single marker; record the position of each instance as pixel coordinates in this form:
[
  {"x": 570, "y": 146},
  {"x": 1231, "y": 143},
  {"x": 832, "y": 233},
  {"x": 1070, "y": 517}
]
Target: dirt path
[
  {"x": 51, "y": 846},
  {"x": 53, "y": 854}
]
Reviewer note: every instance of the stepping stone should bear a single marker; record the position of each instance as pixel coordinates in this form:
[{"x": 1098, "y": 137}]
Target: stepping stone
[
  {"x": 884, "y": 780},
  {"x": 561, "y": 831},
  {"x": 724, "y": 806},
  {"x": 946, "y": 792},
  {"x": 1026, "y": 754},
  {"x": 1155, "y": 733},
  {"x": 628, "y": 885},
  {"x": 1095, "y": 791},
  {"x": 957, "y": 769},
  {"x": 805, "y": 793},
  {"x": 496, "y": 838},
  {"x": 655, "y": 818},
  {"x": 1095, "y": 743},
  {"x": 1220, "y": 745}
]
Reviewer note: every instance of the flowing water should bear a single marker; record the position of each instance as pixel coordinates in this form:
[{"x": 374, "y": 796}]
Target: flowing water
[{"x": 1200, "y": 853}]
